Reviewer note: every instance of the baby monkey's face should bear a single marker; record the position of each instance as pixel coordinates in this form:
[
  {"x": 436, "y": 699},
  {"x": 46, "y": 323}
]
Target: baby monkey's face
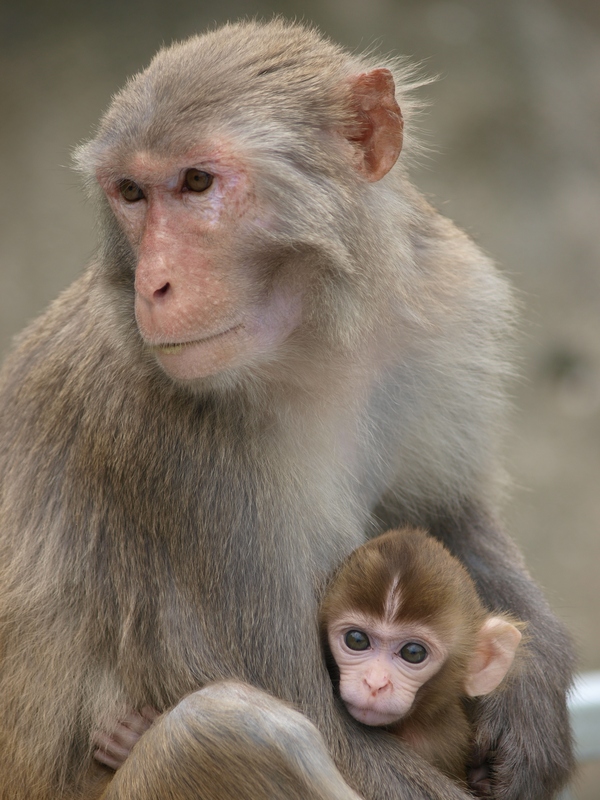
[{"x": 382, "y": 665}]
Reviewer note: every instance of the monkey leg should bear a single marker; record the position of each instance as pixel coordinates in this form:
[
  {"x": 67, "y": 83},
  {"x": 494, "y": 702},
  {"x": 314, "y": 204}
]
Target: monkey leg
[{"x": 232, "y": 740}]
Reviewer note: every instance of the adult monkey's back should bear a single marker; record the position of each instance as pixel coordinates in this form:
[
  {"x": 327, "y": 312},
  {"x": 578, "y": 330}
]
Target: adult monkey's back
[{"x": 279, "y": 347}]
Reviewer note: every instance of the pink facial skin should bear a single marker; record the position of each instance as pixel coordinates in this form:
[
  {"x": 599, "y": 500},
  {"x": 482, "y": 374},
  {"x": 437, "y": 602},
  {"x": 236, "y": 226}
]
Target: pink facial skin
[
  {"x": 377, "y": 684},
  {"x": 196, "y": 308}
]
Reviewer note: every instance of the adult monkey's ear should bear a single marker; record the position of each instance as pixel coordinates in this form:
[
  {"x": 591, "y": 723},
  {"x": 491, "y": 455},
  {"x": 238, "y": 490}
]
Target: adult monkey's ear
[{"x": 377, "y": 130}]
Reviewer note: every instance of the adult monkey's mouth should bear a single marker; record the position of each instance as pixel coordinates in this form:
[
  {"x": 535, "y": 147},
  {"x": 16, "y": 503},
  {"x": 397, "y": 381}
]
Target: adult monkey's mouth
[{"x": 177, "y": 347}]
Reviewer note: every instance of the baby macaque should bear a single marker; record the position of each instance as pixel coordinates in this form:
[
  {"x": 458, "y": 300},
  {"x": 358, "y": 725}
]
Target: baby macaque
[{"x": 411, "y": 641}]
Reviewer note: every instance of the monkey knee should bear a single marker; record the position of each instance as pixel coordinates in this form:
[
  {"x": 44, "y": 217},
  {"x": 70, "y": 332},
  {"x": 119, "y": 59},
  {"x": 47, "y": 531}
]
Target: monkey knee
[
  {"x": 254, "y": 713},
  {"x": 224, "y": 731}
]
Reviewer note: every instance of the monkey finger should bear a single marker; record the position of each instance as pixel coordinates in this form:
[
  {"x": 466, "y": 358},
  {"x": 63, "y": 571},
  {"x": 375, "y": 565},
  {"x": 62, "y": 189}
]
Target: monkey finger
[
  {"x": 480, "y": 782},
  {"x": 109, "y": 761},
  {"x": 139, "y": 722},
  {"x": 149, "y": 713},
  {"x": 479, "y": 773},
  {"x": 120, "y": 741},
  {"x": 110, "y": 752},
  {"x": 126, "y": 737}
]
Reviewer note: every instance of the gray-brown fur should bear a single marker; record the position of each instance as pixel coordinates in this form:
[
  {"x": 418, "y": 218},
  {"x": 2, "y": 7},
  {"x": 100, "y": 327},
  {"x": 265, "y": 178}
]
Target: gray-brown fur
[{"x": 155, "y": 536}]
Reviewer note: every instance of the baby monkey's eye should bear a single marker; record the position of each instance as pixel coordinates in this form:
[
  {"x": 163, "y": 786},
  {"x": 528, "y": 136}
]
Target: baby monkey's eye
[
  {"x": 197, "y": 181},
  {"x": 357, "y": 640},
  {"x": 413, "y": 652}
]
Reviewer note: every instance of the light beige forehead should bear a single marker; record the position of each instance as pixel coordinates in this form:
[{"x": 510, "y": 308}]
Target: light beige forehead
[
  {"x": 376, "y": 623},
  {"x": 393, "y": 601},
  {"x": 363, "y": 621},
  {"x": 381, "y": 628},
  {"x": 149, "y": 167}
]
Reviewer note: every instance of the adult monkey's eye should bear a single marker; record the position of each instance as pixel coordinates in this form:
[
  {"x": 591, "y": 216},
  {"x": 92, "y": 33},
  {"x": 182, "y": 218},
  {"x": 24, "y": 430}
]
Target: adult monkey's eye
[
  {"x": 413, "y": 652},
  {"x": 130, "y": 191},
  {"x": 197, "y": 181},
  {"x": 357, "y": 640}
]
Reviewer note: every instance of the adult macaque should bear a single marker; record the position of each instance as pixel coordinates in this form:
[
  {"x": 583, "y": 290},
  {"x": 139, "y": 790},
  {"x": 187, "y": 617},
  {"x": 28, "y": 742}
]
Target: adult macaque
[
  {"x": 411, "y": 640},
  {"x": 279, "y": 349}
]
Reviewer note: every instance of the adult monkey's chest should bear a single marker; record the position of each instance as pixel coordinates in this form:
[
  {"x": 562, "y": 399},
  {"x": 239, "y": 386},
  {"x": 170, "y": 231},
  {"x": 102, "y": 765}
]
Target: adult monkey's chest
[{"x": 218, "y": 582}]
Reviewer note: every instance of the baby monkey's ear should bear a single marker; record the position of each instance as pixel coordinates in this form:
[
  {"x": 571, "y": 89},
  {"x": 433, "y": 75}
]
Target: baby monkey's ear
[{"x": 497, "y": 644}]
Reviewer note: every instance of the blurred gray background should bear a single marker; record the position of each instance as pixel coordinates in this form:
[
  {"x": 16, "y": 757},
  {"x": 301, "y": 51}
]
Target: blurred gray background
[{"x": 514, "y": 127}]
